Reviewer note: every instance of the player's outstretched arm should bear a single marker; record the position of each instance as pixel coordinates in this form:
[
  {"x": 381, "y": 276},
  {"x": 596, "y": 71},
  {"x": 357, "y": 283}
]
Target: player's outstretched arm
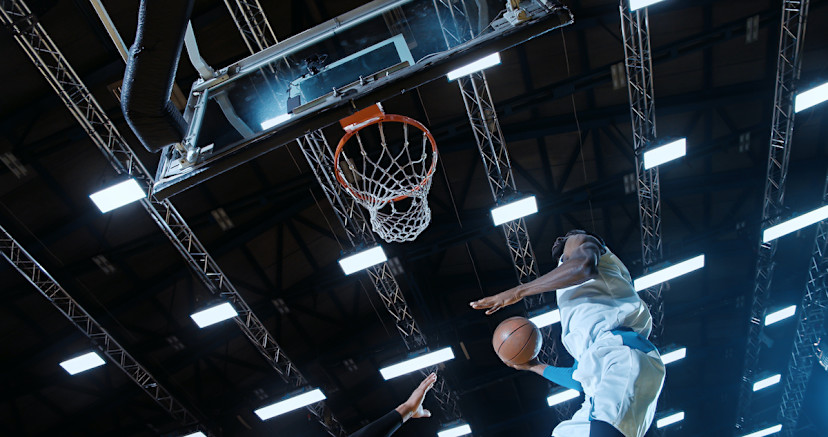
[
  {"x": 413, "y": 407},
  {"x": 580, "y": 264}
]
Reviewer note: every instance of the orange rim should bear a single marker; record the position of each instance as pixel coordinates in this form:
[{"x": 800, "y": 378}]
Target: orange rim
[{"x": 376, "y": 120}]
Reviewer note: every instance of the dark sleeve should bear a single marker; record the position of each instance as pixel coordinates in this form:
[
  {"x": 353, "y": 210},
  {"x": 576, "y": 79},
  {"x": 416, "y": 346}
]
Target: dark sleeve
[{"x": 382, "y": 427}]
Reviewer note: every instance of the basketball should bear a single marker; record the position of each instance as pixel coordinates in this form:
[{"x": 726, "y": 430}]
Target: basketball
[{"x": 516, "y": 340}]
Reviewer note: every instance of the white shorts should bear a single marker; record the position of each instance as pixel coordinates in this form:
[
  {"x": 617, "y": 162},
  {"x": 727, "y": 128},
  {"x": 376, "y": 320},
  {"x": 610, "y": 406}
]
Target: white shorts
[{"x": 622, "y": 386}]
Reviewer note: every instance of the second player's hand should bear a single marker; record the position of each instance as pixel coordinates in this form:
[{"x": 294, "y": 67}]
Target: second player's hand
[{"x": 493, "y": 303}]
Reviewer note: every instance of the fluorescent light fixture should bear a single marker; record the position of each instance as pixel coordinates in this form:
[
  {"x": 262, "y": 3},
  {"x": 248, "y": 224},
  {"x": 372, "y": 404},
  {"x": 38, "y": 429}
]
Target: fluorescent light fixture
[
  {"x": 638, "y": 4},
  {"x": 673, "y": 356},
  {"x": 669, "y": 420},
  {"x": 812, "y": 97},
  {"x": 562, "y": 396},
  {"x": 213, "y": 315},
  {"x": 418, "y": 363},
  {"x": 546, "y": 319},
  {"x": 782, "y": 314},
  {"x": 767, "y": 382},
  {"x": 269, "y": 123},
  {"x": 665, "y": 153},
  {"x": 763, "y": 432},
  {"x": 795, "y": 224},
  {"x": 196, "y": 434},
  {"x": 118, "y": 195},
  {"x": 363, "y": 260},
  {"x": 669, "y": 273},
  {"x": 82, "y": 363},
  {"x": 290, "y": 404},
  {"x": 474, "y": 67},
  {"x": 455, "y": 431},
  {"x": 515, "y": 210}
]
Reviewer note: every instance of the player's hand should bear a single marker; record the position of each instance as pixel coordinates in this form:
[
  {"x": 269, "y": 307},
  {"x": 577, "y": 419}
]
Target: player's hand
[
  {"x": 413, "y": 407},
  {"x": 493, "y": 303},
  {"x": 525, "y": 366}
]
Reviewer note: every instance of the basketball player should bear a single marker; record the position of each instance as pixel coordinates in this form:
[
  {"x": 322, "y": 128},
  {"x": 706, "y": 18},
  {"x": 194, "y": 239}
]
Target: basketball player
[
  {"x": 604, "y": 326},
  {"x": 412, "y": 408}
]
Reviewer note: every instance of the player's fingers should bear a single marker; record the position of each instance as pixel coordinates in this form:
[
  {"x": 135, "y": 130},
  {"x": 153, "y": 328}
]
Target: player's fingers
[{"x": 426, "y": 413}]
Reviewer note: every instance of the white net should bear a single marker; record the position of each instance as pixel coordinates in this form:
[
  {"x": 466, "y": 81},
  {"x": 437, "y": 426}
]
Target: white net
[{"x": 386, "y": 166}]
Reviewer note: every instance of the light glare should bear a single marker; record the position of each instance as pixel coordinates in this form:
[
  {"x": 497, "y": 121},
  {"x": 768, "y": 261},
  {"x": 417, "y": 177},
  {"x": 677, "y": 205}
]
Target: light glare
[
  {"x": 214, "y": 315},
  {"x": 363, "y": 260},
  {"x": 267, "y": 124},
  {"x": 671, "y": 357},
  {"x": 562, "y": 396},
  {"x": 795, "y": 224},
  {"x": 418, "y": 363},
  {"x": 812, "y": 97},
  {"x": 290, "y": 404},
  {"x": 455, "y": 431},
  {"x": 767, "y": 431},
  {"x": 665, "y": 153},
  {"x": 669, "y": 273},
  {"x": 669, "y": 420},
  {"x": 196, "y": 434},
  {"x": 82, "y": 363},
  {"x": 546, "y": 319},
  {"x": 638, "y": 4},
  {"x": 514, "y": 210},
  {"x": 478, "y": 65},
  {"x": 767, "y": 382},
  {"x": 780, "y": 315},
  {"x": 118, "y": 195}
]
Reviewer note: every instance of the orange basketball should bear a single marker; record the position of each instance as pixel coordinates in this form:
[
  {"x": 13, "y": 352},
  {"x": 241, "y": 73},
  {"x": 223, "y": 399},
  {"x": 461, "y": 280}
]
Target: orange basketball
[{"x": 516, "y": 340}]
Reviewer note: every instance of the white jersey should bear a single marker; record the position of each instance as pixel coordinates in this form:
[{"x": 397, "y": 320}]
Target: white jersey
[{"x": 621, "y": 384}]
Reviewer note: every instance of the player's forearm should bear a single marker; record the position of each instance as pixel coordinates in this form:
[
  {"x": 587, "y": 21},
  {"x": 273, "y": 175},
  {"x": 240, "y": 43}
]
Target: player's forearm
[{"x": 572, "y": 272}]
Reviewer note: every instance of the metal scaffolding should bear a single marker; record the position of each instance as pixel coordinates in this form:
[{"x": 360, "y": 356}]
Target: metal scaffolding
[
  {"x": 23, "y": 262},
  {"x": 252, "y": 22},
  {"x": 791, "y": 36},
  {"x": 635, "y": 28},
  {"x": 809, "y": 330},
  {"x": 48, "y": 59}
]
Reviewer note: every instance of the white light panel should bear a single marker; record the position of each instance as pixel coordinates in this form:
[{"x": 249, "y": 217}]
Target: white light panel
[
  {"x": 118, "y": 195},
  {"x": 515, "y": 210},
  {"x": 669, "y": 420},
  {"x": 763, "y": 432},
  {"x": 269, "y": 123},
  {"x": 780, "y": 315},
  {"x": 196, "y": 434},
  {"x": 795, "y": 224},
  {"x": 562, "y": 396},
  {"x": 767, "y": 382},
  {"x": 455, "y": 431},
  {"x": 474, "y": 67},
  {"x": 82, "y": 363},
  {"x": 418, "y": 363},
  {"x": 812, "y": 97},
  {"x": 362, "y": 260},
  {"x": 669, "y": 273},
  {"x": 214, "y": 315},
  {"x": 290, "y": 404},
  {"x": 638, "y": 4},
  {"x": 673, "y": 356},
  {"x": 546, "y": 319},
  {"x": 665, "y": 153}
]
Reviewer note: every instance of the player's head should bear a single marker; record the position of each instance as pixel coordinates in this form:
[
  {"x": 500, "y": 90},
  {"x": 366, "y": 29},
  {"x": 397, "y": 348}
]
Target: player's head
[{"x": 558, "y": 247}]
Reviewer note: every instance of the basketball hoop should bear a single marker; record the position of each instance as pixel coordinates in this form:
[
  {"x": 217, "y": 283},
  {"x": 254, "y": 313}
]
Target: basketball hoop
[{"x": 388, "y": 168}]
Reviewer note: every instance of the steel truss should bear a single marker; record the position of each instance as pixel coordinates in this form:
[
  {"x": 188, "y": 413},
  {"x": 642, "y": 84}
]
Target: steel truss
[
  {"x": 252, "y": 22},
  {"x": 23, "y": 262},
  {"x": 48, "y": 59},
  {"x": 809, "y": 330},
  {"x": 635, "y": 28},
  {"x": 791, "y": 36}
]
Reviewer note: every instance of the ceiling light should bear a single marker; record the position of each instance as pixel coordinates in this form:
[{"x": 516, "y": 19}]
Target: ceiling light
[
  {"x": 562, "y": 396},
  {"x": 214, "y": 315},
  {"x": 474, "y": 67},
  {"x": 665, "y": 153},
  {"x": 782, "y": 314},
  {"x": 269, "y": 123},
  {"x": 763, "y": 432},
  {"x": 514, "y": 210},
  {"x": 669, "y": 273},
  {"x": 795, "y": 224},
  {"x": 638, "y": 4},
  {"x": 673, "y": 356},
  {"x": 118, "y": 195},
  {"x": 82, "y": 363},
  {"x": 363, "y": 260},
  {"x": 196, "y": 434},
  {"x": 767, "y": 382},
  {"x": 455, "y": 431},
  {"x": 290, "y": 404},
  {"x": 669, "y": 420},
  {"x": 417, "y": 363},
  {"x": 547, "y": 318},
  {"x": 812, "y": 97}
]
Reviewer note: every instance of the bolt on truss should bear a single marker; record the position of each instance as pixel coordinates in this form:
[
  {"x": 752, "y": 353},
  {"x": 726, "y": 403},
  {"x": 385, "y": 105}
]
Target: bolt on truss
[
  {"x": 791, "y": 37},
  {"x": 810, "y": 329},
  {"x": 27, "y": 266},
  {"x": 635, "y": 28},
  {"x": 48, "y": 59},
  {"x": 319, "y": 156}
]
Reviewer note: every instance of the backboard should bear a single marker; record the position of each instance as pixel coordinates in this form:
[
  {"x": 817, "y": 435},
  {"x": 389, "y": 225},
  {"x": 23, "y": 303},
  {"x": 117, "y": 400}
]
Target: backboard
[{"x": 319, "y": 76}]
